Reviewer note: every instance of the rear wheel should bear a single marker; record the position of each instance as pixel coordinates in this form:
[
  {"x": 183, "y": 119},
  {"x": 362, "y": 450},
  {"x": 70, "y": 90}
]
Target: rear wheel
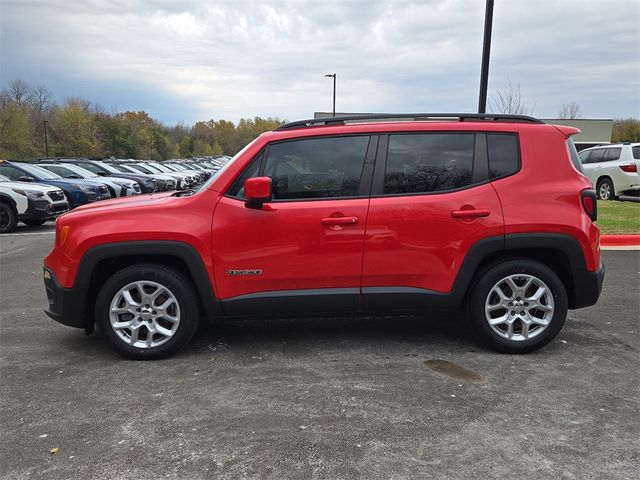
[
  {"x": 605, "y": 189},
  {"x": 8, "y": 218},
  {"x": 518, "y": 306},
  {"x": 147, "y": 311},
  {"x": 34, "y": 223}
]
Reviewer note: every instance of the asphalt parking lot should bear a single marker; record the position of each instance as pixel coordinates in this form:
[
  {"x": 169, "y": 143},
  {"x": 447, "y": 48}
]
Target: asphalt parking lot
[{"x": 333, "y": 398}]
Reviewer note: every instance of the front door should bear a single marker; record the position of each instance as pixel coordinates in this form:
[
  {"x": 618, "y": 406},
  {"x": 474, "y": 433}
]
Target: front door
[{"x": 302, "y": 251}]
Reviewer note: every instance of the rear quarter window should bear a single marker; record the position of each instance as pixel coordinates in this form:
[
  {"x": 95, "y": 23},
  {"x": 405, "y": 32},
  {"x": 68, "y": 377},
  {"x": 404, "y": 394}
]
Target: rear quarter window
[
  {"x": 504, "y": 154},
  {"x": 573, "y": 155},
  {"x": 636, "y": 152}
]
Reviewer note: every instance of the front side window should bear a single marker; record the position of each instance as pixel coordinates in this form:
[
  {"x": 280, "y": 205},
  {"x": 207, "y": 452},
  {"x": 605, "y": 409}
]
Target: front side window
[
  {"x": 596, "y": 155},
  {"x": 504, "y": 157},
  {"x": 316, "y": 167},
  {"x": 584, "y": 156},
  {"x": 428, "y": 162}
]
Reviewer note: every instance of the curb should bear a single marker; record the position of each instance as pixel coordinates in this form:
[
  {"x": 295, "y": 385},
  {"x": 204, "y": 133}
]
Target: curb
[{"x": 620, "y": 240}]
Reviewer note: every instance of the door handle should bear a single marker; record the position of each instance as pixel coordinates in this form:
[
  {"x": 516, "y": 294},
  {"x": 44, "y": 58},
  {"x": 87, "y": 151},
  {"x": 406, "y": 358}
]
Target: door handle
[
  {"x": 339, "y": 220},
  {"x": 471, "y": 213}
]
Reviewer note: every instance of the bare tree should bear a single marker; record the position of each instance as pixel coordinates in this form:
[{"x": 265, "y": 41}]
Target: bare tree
[
  {"x": 19, "y": 91},
  {"x": 509, "y": 101},
  {"x": 570, "y": 110},
  {"x": 41, "y": 99}
]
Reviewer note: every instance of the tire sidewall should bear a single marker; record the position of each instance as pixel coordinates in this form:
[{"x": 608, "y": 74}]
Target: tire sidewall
[
  {"x": 513, "y": 267},
  {"x": 611, "y": 191},
  {"x": 13, "y": 218},
  {"x": 179, "y": 286}
]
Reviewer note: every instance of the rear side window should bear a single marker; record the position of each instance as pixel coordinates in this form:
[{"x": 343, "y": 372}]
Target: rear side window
[
  {"x": 636, "y": 152},
  {"x": 504, "y": 157},
  {"x": 429, "y": 162},
  {"x": 612, "y": 154},
  {"x": 316, "y": 167}
]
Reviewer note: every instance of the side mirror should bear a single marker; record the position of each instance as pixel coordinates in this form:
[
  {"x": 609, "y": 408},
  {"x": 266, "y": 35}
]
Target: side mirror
[
  {"x": 74, "y": 176},
  {"x": 101, "y": 173},
  {"x": 257, "y": 191},
  {"x": 25, "y": 179}
]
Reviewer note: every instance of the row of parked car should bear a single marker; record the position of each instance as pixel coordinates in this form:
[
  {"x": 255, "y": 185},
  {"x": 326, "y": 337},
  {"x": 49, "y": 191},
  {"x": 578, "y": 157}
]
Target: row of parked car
[{"x": 38, "y": 190}]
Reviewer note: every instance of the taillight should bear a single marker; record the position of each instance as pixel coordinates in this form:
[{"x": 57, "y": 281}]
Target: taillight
[
  {"x": 588, "y": 200},
  {"x": 629, "y": 167}
]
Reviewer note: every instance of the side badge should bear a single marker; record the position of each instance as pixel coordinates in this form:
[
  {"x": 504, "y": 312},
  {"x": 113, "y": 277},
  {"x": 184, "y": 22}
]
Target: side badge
[{"x": 255, "y": 271}]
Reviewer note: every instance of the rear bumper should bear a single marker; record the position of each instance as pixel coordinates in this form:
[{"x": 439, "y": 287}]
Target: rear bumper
[
  {"x": 588, "y": 286},
  {"x": 66, "y": 305}
]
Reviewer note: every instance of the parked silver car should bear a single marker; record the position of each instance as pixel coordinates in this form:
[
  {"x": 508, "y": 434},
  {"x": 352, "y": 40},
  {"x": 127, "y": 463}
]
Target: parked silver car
[{"x": 613, "y": 169}]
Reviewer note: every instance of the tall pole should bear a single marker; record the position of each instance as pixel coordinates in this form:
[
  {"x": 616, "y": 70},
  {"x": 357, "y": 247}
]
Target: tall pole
[
  {"x": 46, "y": 140},
  {"x": 334, "y": 91},
  {"x": 486, "y": 50}
]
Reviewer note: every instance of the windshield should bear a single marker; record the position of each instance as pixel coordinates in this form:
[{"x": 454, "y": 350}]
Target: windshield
[
  {"x": 573, "y": 153},
  {"x": 103, "y": 166},
  {"x": 84, "y": 173},
  {"x": 133, "y": 169},
  {"x": 39, "y": 172},
  {"x": 225, "y": 166},
  {"x": 145, "y": 168}
]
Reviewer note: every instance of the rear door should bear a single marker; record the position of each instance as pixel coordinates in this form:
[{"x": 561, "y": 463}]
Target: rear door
[
  {"x": 303, "y": 251},
  {"x": 431, "y": 201}
]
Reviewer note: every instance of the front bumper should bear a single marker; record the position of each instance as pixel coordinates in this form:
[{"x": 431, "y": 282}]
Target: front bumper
[
  {"x": 588, "y": 286},
  {"x": 66, "y": 305},
  {"x": 41, "y": 209}
]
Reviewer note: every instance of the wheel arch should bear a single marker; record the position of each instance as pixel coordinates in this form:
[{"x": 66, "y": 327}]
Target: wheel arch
[
  {"x": 101, "y": 262},
  {"x": 562, "y": 253}
]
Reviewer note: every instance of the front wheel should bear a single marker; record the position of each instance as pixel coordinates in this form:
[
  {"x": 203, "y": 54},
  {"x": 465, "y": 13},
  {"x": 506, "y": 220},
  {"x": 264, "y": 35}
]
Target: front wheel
[
  {"x": 518, "y": 306},
  {"x": 147, "y": 311}
]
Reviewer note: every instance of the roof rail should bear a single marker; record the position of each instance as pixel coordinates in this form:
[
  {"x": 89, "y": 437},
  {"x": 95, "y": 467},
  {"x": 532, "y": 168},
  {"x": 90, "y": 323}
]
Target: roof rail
[{"x": 411, "y": 117}]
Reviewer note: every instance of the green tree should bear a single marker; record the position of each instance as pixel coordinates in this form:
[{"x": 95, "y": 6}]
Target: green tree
[
  {"x": 15, "y": 137},
  {"x": 75, "y": 129},
  {"x": 626, "y": 130}
]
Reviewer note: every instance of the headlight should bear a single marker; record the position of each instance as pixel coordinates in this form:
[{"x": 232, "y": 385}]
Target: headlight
[
  {"x": 28, "y": 193},
  {"x": 84, "y": 188}
]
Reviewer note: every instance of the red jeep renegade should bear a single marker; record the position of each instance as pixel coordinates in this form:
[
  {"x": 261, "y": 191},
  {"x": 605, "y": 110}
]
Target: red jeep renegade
[{"x": 343, "y": 215}]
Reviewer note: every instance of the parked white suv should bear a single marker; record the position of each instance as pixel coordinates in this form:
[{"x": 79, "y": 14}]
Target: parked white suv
[
  {"x": 613, "y": 169},
  {"x": 31, "y": 203}
]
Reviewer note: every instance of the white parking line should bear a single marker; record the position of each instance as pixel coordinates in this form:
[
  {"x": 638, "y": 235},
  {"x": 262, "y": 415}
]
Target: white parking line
[
  {"x": 30, "y": 233},
  {"x": 625, "y": 247}
]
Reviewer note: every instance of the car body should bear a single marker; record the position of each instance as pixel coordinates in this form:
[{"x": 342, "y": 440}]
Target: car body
[
  {"x": 163, "y": 182},
  {"x": 102, "y": 169},
  {"x": 77, "y": 191},
  {"x": 118, "y": 187},
  {"x": 613, "y": 169},
  {"x": 345, "y": 216},
  {"x": 30, "y": 203}
]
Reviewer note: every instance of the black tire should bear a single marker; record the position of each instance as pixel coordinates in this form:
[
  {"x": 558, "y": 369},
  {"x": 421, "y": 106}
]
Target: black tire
[
  {"x": 34, "y": 223},
  {"x": 179, "y": 286},
  {"x": 607, "y": 186},
  {"x": 8, "y": 218},
  {"x": 484, "y": 285}
]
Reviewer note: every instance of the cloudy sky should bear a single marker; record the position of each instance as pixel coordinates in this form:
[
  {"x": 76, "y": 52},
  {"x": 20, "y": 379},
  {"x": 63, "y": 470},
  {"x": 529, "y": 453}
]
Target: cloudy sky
[{"x": 188, "y": 60}]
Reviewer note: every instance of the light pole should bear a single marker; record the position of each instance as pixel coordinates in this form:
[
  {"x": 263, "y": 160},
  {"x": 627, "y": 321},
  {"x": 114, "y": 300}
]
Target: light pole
[
  {"x": 334, "y": 91},
  {"x": 46, "y": 140},
  {"x": 486, "y": 49}
]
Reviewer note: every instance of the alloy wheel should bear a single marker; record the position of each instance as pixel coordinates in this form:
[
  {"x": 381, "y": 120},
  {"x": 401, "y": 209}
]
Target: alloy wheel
[
  {"x": 519, "y": 307},
  {"x": 144, "y": 314}
]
